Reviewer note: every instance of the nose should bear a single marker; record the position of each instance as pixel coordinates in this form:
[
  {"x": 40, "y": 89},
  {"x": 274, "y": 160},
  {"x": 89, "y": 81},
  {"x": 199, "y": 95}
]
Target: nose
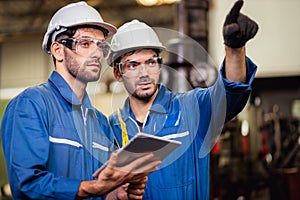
[
  {"x": 96, "y": 52},
  {"x": 143, "y": 70}
]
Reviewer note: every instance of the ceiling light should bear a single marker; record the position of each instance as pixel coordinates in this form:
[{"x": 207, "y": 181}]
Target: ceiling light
[{"x": 155, "y": 2}]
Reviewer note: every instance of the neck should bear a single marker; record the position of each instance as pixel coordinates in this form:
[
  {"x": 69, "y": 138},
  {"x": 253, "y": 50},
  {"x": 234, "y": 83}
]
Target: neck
[
  {"x": 76, "y": 85},
  {"x": 141, "y": 108}
]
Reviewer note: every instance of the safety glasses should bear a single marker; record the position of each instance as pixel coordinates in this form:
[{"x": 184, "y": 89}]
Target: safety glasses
[
  {"x": 85, "y": 46},
  {"x": 131, "y": 68}
]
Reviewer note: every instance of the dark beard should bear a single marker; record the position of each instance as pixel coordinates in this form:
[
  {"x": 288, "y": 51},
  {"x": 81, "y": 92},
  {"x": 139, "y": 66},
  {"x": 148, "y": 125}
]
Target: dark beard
[
  {"x": 145, "y": 98},
  {"x": 78, "y": 71}
]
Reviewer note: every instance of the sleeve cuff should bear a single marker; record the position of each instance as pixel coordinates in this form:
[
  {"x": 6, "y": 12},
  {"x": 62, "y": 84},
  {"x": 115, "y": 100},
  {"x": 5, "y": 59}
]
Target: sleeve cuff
[
  {"x": 250, "y": 74},
  {"x": 67, "y": 188}
]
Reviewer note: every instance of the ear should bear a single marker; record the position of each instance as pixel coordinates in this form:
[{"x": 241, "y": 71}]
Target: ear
[
  {"x": 57, "y": 51},
  {"x": 117, "y": 74}
]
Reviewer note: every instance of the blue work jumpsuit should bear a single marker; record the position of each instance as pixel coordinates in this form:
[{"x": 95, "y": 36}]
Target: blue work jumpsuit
[
  {"x": 195, "y": 118},
  {"x": 52, "y": 141}
]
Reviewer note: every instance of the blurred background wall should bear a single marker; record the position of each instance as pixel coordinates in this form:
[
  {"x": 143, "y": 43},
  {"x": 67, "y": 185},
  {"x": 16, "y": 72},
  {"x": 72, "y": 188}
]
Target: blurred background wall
[{"x": 257, "y": 156}]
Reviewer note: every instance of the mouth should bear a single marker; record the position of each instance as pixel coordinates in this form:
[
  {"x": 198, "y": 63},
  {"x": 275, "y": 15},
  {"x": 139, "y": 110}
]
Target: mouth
[
  {"x": 94, "y": 66},
  {"x": 144, "y": 85}
]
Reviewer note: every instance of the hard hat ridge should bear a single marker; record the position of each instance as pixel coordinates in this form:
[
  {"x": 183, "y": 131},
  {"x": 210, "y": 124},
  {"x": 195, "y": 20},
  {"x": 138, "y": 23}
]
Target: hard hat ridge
[{"x": 131, "y": 36}]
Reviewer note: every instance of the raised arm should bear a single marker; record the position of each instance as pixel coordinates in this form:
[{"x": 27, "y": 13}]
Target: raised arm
[{"x": 237, "y": 30}]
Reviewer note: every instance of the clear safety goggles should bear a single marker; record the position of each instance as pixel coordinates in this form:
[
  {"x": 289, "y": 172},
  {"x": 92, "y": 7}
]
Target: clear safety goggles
[
  {"x": 131, "y": 68},
  {"x": 85, "y": 46}
]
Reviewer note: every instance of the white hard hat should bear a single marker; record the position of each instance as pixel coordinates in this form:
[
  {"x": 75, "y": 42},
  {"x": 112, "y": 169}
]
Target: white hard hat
[
  {"x": 131, "y": 36},
  {"x": 71, "y": 15}
]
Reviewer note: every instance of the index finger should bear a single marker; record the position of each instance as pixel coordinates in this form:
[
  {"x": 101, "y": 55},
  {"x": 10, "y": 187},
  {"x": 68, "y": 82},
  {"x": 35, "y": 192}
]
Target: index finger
[{"x": 235, "y": 11}]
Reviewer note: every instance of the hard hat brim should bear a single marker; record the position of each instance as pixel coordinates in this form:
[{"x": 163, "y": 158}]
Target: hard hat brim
[{"x": 109, "y": 27}]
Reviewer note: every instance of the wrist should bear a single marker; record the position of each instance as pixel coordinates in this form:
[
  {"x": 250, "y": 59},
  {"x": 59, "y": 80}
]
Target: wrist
[
  {"x": 88, "y": 189},
  {"x": 232, "y": 50},
  {"x": 235, "y": 64}
]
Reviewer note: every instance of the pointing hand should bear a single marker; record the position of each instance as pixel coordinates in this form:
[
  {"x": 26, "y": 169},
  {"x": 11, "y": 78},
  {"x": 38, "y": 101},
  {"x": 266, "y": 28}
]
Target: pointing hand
[{"x": 238, "y": 28}]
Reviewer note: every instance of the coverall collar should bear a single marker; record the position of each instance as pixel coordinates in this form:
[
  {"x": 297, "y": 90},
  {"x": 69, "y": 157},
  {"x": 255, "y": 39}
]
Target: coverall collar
[
  {"x": 67, "y": 93},
  {"x": 160, "y": 105}
]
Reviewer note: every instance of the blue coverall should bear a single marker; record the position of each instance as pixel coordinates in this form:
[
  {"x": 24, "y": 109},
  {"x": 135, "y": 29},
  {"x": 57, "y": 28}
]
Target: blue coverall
[
  {"x": 195, "y": 118},
  {"x": 52, "y": 141}
]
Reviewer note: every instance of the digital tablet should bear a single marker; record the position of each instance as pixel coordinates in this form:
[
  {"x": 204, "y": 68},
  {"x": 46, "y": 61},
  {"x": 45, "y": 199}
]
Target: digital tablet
[{"x": 141, "y": 144}]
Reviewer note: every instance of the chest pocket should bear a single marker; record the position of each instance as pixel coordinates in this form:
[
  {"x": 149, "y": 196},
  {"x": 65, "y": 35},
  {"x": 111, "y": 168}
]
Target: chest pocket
[{"x": 163, "y": 125}]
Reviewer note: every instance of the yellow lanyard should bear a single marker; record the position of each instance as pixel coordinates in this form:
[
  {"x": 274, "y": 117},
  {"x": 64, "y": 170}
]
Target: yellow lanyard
[{"x": 125, "y": 139}]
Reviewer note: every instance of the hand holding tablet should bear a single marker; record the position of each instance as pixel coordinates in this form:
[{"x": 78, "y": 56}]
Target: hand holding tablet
[{"x": 140, "y": 145}]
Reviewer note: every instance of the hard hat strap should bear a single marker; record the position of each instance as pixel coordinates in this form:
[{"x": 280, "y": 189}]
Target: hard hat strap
[{"x": 58, "y": 31}]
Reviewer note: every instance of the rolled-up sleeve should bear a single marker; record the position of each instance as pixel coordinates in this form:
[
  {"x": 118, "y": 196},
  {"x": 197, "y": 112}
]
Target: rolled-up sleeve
[{"x": 237, "y": 93}]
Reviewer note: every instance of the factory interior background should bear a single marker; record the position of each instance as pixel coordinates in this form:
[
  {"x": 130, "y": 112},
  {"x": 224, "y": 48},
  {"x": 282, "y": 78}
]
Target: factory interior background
[{"x": 257, "y": 156}]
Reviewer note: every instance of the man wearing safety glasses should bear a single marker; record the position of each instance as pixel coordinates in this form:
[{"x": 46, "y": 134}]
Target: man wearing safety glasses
[
  {"x": 53, "y": 138},
  {"x": 195, "y": 118}
]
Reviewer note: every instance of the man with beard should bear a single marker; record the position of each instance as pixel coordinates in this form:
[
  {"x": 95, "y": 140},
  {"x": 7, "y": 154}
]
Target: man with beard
[
  {"x": 195, "y": 118},
  {"x": 53, "y": 138}
]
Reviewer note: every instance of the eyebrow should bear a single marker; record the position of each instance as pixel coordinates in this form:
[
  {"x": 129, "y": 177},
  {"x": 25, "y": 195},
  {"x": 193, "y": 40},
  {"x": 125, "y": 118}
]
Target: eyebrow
[
  {"x": 88, "y": 37},
  {"x": 131, "y": 61},
  {"x": 134, "y": 60}
]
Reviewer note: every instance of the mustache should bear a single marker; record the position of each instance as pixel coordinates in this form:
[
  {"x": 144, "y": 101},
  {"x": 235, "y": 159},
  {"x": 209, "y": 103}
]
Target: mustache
[
  {"x": 144, "y": 80},
  {"x": 93, "y": 61}
]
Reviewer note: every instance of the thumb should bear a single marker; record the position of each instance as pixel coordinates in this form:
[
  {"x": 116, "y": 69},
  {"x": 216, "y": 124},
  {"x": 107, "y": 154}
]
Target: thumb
[{"x": 113, "y": 160}]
